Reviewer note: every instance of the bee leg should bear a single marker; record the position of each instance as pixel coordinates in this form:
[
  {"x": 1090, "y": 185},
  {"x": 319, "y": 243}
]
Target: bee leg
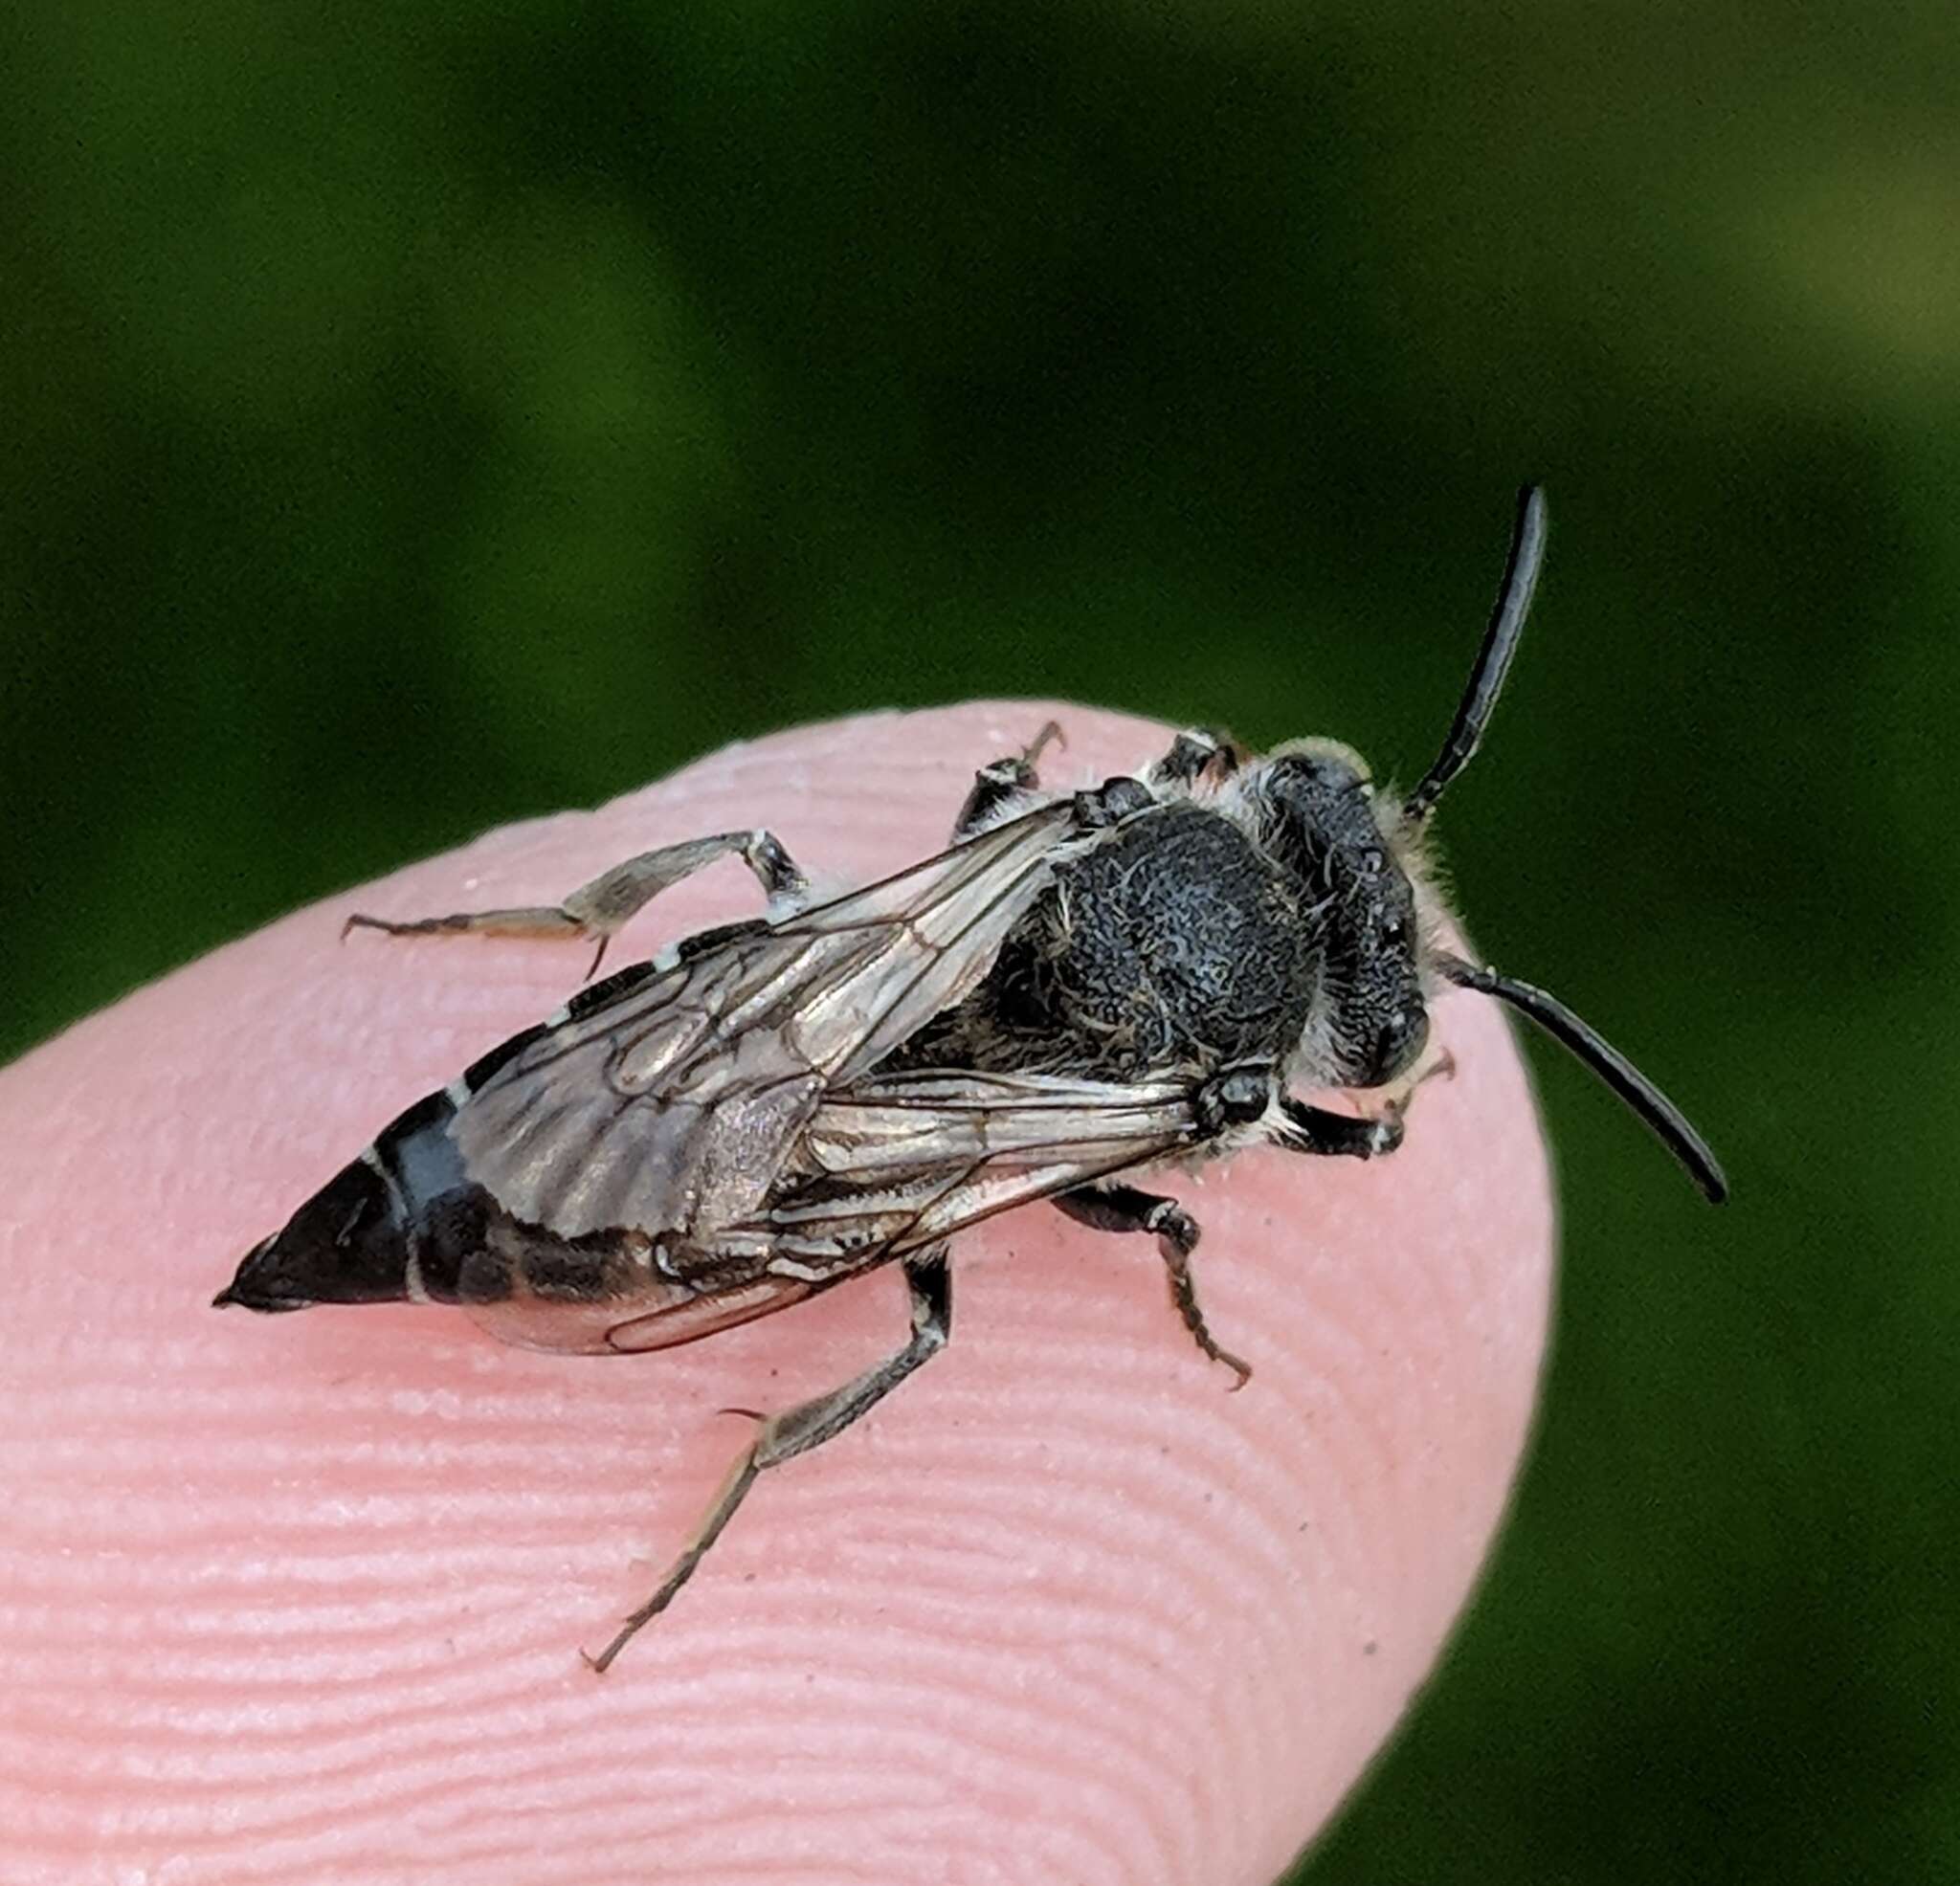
[
  {"x": 1001, "y": 783},
  {"x": 1124, "y": 1209},
  {"x": 597, "y": 910},
  {"x": 1315, "y": 1130},
  {"x": 808, "y": 1423},
  {"x": 1192, "y": 753}
]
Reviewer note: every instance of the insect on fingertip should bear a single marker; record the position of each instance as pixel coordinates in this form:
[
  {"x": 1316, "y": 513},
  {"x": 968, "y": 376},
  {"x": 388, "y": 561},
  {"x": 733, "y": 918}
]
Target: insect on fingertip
[{"x": 1079, "y": 989}]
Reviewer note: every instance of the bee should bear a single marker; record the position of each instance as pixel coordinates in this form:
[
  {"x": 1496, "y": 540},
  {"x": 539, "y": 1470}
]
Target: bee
[{"x": 1081, "y": 986}]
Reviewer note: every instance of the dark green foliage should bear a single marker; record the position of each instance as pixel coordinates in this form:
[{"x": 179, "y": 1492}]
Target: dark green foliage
[{"x": 420, "y": 416}]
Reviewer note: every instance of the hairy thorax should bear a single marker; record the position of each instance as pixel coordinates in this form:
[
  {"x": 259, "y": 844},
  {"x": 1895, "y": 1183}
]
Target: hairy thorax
[{"x": 1172, "y": 946}]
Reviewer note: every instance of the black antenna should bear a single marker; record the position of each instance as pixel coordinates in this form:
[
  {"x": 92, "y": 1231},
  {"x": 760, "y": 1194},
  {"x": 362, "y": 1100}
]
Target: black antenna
[
  {"x": 1493, "y": 658},
  {"x": 1670, "y": 1125}
]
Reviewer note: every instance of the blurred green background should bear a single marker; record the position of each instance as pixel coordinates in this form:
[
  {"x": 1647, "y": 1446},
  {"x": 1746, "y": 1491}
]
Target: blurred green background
[{"x": 419, "y": 417}]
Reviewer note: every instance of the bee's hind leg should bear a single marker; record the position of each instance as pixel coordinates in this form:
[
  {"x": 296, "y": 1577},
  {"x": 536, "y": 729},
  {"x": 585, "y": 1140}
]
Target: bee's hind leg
[
  {"x": 808, "y": 1423},
  {"x": 1194, "y": 752},
  {"x": 1002, "y": 785},
  {"x": 597, "y": 910},
  {"x": 1126, "y": 1208}
]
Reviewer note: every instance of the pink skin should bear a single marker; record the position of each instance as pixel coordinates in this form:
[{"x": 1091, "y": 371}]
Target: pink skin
[{"x": 300, "y": 1598}]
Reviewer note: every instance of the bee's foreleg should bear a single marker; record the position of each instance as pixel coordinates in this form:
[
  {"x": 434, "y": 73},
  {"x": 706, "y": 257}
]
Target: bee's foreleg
[
  {"x": 1355, "y": 1136},
  {"x": 808, "y": 1423},
  {"x": 597, "y": 910},
  {"x": 1126, "y": 1208}
]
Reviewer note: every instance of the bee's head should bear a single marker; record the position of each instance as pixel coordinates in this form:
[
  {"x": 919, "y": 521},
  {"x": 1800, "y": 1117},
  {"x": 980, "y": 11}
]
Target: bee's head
[
  {"x": 1356, "y": 858},
  {"x": 1319, "y": 816}
]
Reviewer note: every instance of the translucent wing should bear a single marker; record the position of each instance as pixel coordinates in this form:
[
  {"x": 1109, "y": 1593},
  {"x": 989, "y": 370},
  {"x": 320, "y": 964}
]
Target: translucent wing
[
  {"x": 905, "y": 1162},
  {"x": 665, "y": 1103},
  {"x": 888, "y": 1167},
  {"x": 661, "y": 1314}
]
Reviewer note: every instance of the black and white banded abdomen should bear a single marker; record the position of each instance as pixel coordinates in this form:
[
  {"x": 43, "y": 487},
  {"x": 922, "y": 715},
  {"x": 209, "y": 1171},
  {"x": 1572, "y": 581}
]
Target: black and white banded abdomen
[{"x": 405, "y": 1223}]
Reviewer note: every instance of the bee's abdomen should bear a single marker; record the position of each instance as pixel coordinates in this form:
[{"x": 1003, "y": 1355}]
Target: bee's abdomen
[
  {"x": 345, "y": 1245},
  {"x": 405, "y": 1222},
  {"x": 366, "y": 1235}
]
